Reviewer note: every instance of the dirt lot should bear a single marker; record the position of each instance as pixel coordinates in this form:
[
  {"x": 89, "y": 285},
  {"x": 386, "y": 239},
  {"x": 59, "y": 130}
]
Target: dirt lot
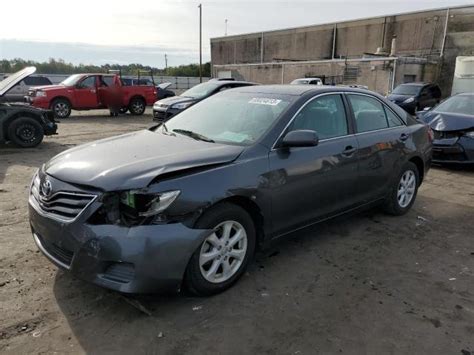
[{"x": 368, "y": 283}]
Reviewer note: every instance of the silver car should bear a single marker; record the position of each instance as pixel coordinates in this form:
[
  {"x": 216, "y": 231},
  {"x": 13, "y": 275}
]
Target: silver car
[{"x": 20, "y": 90}]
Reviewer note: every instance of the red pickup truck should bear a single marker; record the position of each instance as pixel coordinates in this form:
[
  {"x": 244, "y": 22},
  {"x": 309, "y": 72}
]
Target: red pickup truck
[{"x": 92, "y": 91}]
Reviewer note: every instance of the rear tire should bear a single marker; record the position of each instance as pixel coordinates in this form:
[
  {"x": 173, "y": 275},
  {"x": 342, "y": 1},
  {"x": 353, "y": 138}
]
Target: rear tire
[
  {"x": 403, "y": 193},
  {"x": 227, "y": 254},
  {"x": 61, "y": 108},
  {"x": 25, "y": 132},
  {"x": 137, "y": 106}
]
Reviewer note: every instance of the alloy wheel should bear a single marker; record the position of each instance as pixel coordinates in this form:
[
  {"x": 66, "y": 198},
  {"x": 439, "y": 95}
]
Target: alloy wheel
[
  {"x": 61, "y": 109},
  {"x": 223, "y": 252},
  {"x": 406, "y": 188}
]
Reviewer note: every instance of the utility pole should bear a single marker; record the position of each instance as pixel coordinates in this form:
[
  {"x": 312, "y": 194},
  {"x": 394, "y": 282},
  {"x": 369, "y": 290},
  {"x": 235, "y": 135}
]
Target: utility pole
[
  {"x": 226, "y": 27},
  {"x": 166, "y": 62},
  {"x": 200, "y": 43}
]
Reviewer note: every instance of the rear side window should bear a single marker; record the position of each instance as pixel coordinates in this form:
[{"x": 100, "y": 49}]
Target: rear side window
[
  {"x": 369, "y": 113},
  {"x": 108, "y": 80},
  {"x": 36, "y": 81},
  {"x": 393, "y": 119},
  {"x": 435, "y": 91},
  {"x": 325, "y": 115}
]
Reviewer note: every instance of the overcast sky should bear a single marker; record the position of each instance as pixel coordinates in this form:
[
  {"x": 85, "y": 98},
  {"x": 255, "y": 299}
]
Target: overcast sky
[{"x": 142, "y": 31}]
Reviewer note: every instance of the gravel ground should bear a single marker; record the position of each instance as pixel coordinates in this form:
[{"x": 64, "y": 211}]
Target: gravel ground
[{"x": 362, "y": 284}]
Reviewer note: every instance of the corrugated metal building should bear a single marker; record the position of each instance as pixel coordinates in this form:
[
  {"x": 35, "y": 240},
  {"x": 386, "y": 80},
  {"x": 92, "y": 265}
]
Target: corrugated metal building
[{"x": 378, "y": 52}]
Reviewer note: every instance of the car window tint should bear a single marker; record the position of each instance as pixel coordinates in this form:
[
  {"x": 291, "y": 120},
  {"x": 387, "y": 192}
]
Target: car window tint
[
  {"x": 368, "y": 112},
  {"x": 393, "y": 119},
  {"x": 325, "y": 115},
  {"x": 89, "y": 82}
]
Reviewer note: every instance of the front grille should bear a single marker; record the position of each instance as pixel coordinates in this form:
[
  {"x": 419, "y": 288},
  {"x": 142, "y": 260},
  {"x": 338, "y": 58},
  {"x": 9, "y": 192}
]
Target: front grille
[
  {"x": 62, "y": 255},
  {"x": 62, "y": 204},
  {"x": 161, "y": 115},
  {"x": 120, "y": 272}
]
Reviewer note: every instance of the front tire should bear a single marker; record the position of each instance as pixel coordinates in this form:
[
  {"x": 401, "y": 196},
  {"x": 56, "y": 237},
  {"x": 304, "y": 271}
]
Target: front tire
[
  {"x": 137, "y": 106},
  {"x": 224, "y": 255},
  {"x": 403, "y": 193},
  {"x": 25, "y": 132},
  {"x": 61, "y": 108}
]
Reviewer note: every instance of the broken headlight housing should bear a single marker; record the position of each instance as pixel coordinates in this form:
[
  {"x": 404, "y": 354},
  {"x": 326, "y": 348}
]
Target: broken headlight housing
[
  {"x": 134, "y": 207},
  {"x": 469, "y": 134}
]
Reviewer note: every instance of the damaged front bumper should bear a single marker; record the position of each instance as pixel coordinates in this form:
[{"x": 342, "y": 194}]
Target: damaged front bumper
[
  {"x": 453, "y": 150},
  {"x": 139, "y": 259}
]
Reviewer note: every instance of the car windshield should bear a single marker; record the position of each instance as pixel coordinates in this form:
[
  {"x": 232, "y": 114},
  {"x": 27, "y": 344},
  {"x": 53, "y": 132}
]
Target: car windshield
[
  {"x": 229, "y": 118},
  {"x": 72, "y": 80},
  {"x": 200, "y": 91},
  {"x": 463, "y": 104},
  {"x": 406, "y": 89}
]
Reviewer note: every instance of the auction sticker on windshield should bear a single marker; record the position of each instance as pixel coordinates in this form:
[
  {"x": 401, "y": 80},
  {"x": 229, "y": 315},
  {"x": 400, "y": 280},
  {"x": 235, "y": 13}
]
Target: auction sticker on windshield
[{"x": 264, "y": 101}]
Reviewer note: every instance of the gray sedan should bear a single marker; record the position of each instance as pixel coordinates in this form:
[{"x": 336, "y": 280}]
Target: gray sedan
[{"x": 188, "y": 202}]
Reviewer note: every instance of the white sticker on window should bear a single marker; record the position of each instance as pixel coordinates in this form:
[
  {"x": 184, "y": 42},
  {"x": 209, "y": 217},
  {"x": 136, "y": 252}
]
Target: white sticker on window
[{"x": 264, "y": 101}]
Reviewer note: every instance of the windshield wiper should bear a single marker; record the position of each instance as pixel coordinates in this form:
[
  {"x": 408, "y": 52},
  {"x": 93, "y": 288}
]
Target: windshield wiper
[{"x": 194, "y": 135}]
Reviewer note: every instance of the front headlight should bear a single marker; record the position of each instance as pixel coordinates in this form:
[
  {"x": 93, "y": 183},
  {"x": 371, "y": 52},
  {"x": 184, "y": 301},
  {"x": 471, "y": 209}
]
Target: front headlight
[
  {"x": 182, "y": 106},
  {"x": 41, "y": 93},
  {"x": 469, "y": 134},
  {"x": 410, "y": 99},
  {"x": 148, "y": 204}
]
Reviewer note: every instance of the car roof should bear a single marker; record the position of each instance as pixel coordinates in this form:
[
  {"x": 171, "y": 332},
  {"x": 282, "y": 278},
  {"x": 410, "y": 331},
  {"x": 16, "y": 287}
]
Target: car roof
[
  {"x": 225, "y": 82},
  {"x": 418, "y": 84},
  {"x": 312, "y": 78},
  {"x": 465, "y": 94},
  {"x": 299, "y": 90}
]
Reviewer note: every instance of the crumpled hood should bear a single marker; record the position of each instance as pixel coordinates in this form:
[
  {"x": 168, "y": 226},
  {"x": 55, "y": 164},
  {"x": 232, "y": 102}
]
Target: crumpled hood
[
  {"x": 440, "y": 121},
  {"x": 133, "y": 160}
]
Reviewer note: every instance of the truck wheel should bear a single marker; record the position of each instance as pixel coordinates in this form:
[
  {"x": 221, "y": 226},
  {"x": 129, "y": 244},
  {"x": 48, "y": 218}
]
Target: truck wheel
[
  {"x": 61, "y": 108},
  {"x": 25, "y": 132},
  {"x": 137, "y": 106}
]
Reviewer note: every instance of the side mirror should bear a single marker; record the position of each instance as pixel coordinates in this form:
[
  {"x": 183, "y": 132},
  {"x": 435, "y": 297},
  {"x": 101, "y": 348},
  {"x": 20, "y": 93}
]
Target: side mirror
[{"x": 301, "y": 138}]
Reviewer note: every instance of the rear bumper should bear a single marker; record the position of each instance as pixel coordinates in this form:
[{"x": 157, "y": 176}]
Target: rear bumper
[
  {"x": 142, "y": 259},
  {"x": 457, "y": 151}
]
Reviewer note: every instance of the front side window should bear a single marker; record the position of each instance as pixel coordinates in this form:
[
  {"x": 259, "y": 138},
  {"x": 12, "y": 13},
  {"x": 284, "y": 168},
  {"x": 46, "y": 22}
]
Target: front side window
[
  {"x": 369, "y": 113},
  {"x": 87, "y": 83},
  {"x": 230, "y": 117},
  {"x": 325, "y": 115}
]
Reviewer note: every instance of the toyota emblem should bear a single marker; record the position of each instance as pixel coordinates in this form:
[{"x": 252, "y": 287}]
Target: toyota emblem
[{"x": 46, "y": 188}]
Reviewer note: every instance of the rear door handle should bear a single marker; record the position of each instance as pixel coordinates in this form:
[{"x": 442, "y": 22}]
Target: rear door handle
[
  {"x": 348, "y": 151},
  {"x": 403, "y": 137}
]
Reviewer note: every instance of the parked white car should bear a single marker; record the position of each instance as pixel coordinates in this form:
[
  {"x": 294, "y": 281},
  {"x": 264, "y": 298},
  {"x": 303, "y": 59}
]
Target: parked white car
[{"x": 307, "y": 81}]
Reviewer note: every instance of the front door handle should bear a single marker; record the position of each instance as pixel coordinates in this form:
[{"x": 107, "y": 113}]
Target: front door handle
[
  {"x": 348, "y": 151},
  {"x": 403, "y": 137}
]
